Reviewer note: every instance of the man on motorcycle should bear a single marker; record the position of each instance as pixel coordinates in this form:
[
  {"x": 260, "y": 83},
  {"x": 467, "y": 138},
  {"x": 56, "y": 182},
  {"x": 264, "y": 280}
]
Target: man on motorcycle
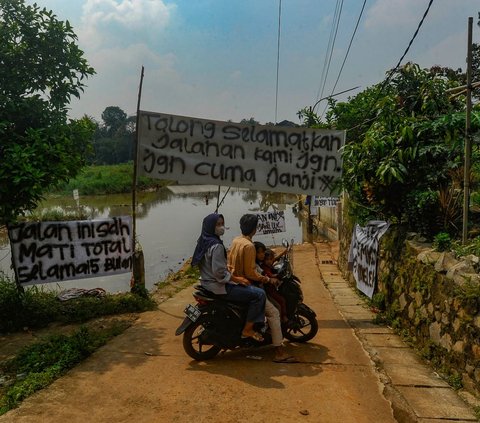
[{"x": 241, "y": 259}]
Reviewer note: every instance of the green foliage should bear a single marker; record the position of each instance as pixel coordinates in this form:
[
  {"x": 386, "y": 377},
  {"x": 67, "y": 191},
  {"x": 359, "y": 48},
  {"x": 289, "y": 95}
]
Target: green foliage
[
  {"x": 35, "y": 308},
  {"x": 442, "y": 242},
  {"x": 471, "y": 247},
  {"x": 470, "y": 290},
  {"x": 94, "y": 180},
  {"x": 42, "y": 68},
  {"x": 422, "y": 211},
  {"x": 404, "y": 142},
  {"x": 43, "y": 362}
]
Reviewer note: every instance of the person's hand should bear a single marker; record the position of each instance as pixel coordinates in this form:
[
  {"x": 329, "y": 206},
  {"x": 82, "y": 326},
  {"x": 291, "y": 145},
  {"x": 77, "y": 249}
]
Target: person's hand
[
  {"x": 240, "y": 280},
  {"x": 274, "y": 281}
]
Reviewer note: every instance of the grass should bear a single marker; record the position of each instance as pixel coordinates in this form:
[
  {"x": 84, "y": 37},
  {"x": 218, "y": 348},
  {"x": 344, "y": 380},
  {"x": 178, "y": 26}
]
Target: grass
[
  {"x": 36, "y": 308},
  {"x": 111, "y": 179},
  {"x": 38, "y": 365}
]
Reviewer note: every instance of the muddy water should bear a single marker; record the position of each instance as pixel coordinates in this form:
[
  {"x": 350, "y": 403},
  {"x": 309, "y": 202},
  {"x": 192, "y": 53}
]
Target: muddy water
[{"x": 168, "y": 225}]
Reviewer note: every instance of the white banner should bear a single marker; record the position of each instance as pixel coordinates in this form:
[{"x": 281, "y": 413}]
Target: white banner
[
  {"x": 58, "y": 251},
  {"x": 271, "y": 223},
  {"x": 363, "y": 255},
  {"x": 325, "y": 201},
  {"x": 270, "y": 158}
]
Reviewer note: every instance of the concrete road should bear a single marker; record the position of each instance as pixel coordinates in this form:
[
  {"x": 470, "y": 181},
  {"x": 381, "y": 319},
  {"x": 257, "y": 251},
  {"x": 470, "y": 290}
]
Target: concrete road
[{"x": 144, "y": 375}]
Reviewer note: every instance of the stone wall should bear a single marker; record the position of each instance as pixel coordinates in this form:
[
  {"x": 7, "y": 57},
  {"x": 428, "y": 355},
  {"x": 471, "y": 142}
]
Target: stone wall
[{"x": 432, "y": 299}]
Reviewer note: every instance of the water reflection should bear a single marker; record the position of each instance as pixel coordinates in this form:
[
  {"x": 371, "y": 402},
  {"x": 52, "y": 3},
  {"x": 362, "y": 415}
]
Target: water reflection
[{"x": 168, "y": 225}]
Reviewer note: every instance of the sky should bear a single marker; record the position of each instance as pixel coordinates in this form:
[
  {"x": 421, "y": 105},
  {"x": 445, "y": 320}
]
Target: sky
[{"x": 217, "y": 59}]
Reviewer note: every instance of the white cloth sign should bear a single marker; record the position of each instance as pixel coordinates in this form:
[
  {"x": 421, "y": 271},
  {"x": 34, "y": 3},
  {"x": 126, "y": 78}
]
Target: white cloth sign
[
  {"x": 363, "y": 255},
  {"x": 325, "y": 201},
  {"x": 271, "y": 222},
  {"x": 58, "y": 251},
  {"x": 270, "y": 158}
]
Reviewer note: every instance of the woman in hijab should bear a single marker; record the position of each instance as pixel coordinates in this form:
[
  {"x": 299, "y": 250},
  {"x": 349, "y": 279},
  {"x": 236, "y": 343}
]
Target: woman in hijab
[{"x": 211, "y": 257}]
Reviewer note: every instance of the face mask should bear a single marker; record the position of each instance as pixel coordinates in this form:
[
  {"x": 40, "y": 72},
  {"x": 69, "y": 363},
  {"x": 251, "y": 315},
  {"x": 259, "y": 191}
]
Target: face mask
[{"x": 219, "y": 230}]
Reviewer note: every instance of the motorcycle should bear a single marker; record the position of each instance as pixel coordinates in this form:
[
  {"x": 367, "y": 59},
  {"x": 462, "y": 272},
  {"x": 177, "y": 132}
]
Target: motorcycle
[{"x": 214, "y": 324}]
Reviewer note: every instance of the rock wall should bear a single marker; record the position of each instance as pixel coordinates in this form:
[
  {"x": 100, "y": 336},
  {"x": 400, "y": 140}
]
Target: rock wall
[{"x": 432, "y": 299}]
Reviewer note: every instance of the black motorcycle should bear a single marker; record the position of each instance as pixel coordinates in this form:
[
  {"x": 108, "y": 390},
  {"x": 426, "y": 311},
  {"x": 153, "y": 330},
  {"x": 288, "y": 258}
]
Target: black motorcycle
[{"x": 215, "y": 324}]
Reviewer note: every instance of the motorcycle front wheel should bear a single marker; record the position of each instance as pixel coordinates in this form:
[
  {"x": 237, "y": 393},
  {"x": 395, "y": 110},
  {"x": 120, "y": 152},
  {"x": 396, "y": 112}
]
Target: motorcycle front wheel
[
  {"x": 193, "y": 341},
  {"x": 302, "y": 327}
]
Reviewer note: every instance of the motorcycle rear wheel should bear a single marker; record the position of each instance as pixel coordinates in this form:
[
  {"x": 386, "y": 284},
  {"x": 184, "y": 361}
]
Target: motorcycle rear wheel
[
  {"x": 304, "y": 326},
  {"x": 192, "y": 343}
]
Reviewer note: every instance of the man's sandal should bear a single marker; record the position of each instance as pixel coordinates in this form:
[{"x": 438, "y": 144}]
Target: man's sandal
[{"x": 255, "y": 336}]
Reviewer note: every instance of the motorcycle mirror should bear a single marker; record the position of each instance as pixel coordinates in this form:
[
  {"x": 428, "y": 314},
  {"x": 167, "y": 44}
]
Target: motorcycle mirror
[{"x": 285, "y": 243}]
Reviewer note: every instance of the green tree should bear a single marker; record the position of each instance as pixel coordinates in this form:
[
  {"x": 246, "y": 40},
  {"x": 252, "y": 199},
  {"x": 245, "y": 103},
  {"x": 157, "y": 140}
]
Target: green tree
[
  {"x": 114, "y": 138},
  {"x": 404, "y": 148},
  {"x": 114, "y": 119},
  {"x": 41, "y": 68}
]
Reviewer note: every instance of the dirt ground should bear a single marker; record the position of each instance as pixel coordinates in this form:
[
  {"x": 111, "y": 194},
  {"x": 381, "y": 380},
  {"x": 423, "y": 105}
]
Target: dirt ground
[{"x": 144, "y": 375}]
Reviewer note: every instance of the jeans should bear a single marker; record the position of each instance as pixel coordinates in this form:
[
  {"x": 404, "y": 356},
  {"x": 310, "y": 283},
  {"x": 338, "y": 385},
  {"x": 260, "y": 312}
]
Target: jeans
[{"x": 252, "y": 296}]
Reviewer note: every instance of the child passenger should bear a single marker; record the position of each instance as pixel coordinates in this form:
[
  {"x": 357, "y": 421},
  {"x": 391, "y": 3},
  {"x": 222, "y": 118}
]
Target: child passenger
[{"x": 265, "y": 259}]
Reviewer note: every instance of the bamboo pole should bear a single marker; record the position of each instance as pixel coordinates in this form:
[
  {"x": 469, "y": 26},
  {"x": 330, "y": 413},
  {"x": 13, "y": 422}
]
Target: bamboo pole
[{"x": 138, "y": 273}]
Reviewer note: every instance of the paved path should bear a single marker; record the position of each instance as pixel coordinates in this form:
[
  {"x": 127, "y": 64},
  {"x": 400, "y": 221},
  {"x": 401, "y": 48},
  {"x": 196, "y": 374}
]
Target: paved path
[
  {"x": 416, "y": 392},
  {"x": 144, "y": 375}
]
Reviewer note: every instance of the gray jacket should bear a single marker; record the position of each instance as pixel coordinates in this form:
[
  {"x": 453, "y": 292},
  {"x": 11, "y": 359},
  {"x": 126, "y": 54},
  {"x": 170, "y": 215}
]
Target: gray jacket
[{"x": 213, "y": 270}]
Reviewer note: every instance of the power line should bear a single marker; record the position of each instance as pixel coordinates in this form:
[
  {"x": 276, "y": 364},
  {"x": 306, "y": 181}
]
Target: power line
[
  {"x": 390, "y": 74},
  {"x": 278, "y": 55},
  {"x": 327, "y": 51},
  {"x": 348, "y": 51},
  {"x": 333, "y": 46}
]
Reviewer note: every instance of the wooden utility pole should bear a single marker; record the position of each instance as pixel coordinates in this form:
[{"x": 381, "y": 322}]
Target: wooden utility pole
[{"x": 468, "y": 141}]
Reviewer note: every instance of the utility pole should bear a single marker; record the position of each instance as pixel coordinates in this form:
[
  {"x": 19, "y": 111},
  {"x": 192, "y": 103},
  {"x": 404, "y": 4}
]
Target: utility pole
[{"x": 468, "y": 141}]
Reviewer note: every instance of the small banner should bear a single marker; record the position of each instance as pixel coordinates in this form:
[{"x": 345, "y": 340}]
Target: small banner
[
  {"x": 272, "y": 158},
  {"x": 363, "y": 255},
  {"x": 57, "y": 251},
  {"x": 271, "y": 222},
  {"x": 325, "y": 201}
]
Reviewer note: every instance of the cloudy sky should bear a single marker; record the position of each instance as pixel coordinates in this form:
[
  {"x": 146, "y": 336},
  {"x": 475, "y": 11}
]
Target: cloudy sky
[{"x": 217, "y": 59}]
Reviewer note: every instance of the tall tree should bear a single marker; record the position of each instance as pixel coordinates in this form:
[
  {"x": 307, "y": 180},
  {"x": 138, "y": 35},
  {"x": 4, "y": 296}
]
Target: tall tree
[
  {"x": 41, "y": 68},
  {"x": 114, "y": 119}
]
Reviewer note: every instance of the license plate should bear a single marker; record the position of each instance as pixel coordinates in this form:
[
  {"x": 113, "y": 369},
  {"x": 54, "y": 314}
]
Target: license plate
[{"x": 192, "y": 312}]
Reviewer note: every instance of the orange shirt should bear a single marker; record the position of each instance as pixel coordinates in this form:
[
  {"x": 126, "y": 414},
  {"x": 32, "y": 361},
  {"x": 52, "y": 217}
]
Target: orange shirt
[{"x": 241, "y": 257}]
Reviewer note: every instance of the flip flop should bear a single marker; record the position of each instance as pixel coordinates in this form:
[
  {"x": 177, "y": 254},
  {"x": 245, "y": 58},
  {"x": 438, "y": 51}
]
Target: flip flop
[
  {"x": 289, "y": 359},
  {"x": 255, "y": 336}
]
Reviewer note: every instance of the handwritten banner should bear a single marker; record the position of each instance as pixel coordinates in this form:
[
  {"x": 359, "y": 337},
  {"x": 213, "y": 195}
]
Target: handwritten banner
[
  {"x": 57, "y": 251},
  {"x": 363, "y": 255},
  {"x": 271, "y": 223},
  {"x": 270, "y": 158}
]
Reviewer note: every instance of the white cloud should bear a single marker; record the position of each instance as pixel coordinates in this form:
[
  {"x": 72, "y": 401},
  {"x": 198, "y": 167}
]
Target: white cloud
[
  {"x": 118, "y": 75},
  {"x": 106, "y": 20}
]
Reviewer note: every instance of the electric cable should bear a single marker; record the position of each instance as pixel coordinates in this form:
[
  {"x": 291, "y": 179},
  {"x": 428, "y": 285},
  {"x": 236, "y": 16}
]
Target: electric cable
[
  {"x": 409, "y": 44},
  {"x": 346, "y": 54},
  {"x": 278, "y": 56},
  {"x": 330, "y": 38},
  {"x": 392, "y": 71},
  {"x": 333, "y": 48}
]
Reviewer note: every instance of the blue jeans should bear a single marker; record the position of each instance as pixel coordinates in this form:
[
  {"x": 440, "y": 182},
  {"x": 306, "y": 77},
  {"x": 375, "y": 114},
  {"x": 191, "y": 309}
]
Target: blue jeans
[{"x": 252, "y": 296}]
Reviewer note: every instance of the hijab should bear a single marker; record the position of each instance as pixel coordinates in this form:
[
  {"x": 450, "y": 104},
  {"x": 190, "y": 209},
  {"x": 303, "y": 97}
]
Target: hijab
[{"x": 207, "y": 238}]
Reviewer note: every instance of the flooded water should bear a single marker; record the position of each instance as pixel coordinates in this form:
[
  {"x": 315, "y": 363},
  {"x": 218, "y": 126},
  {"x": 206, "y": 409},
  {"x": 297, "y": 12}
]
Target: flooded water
[{"x": 168, "y": 226}]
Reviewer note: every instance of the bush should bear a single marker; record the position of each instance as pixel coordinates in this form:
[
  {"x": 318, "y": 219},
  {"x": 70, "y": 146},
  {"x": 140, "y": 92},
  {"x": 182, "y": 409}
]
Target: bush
[
  {"x": 442, "y": 242},
  {"x": 36, "y": 308}
]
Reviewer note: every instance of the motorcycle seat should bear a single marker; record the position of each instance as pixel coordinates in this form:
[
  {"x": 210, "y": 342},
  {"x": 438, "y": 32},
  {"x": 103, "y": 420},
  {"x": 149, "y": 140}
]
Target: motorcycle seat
[{"x": 207, "y": 295}]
